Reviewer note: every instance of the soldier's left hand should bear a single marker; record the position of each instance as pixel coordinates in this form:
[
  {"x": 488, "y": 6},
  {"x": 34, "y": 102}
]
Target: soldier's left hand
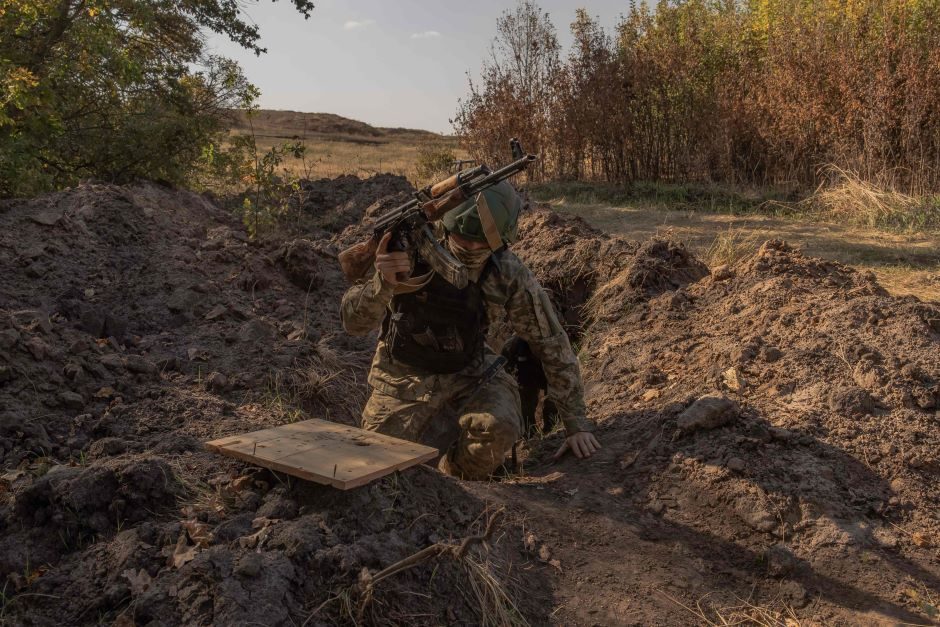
[{"x": 583, "y": 444}]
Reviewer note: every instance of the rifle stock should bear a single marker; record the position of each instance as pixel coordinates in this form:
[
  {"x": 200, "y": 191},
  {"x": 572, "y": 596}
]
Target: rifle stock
[{"x": 435, "y": 208}]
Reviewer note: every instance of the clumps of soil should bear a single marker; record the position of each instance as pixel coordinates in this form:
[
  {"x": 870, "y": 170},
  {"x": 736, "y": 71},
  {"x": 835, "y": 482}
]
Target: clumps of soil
[
  {"x": 769, "y": 430},
  {"x": 334, "y": 204},
  {"x": 784, "y": 401},
  {"x": 570, "y": 258},
  {"x": 136, "y": 323}
]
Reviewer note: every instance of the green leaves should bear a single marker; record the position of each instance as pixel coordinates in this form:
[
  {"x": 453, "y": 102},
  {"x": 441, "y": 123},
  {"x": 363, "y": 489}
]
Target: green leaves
[{"x": 114, "y": 89}]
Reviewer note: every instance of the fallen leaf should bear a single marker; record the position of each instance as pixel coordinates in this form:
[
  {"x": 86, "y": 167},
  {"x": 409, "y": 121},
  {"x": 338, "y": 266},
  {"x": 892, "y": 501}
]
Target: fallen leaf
[
  {"x": 530, "y": 541},
  {"x": 921, "y": 539},
  {"x": 241, "y": 483},
  {"x": 183, "y": 553},
  {"x": 545, "y": 553},
  {"x": 256, "y": 540},
  {"x": 650, "y": 395},
  {"x": 105, "y": 392},
  {"x": 628, "y": 460},
  {"x": 263, "y": 521},
  {"x": 198, "y": 532},
  {"x": 139, "y": 581},
  {"x": 556, "y": 564}
]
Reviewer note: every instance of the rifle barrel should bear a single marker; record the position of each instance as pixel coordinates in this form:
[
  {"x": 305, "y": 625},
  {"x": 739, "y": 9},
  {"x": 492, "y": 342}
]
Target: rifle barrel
[{"x": 503, "y": 173}]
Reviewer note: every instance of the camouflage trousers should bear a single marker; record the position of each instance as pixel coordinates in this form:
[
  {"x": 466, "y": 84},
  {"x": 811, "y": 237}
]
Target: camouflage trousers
[{"x": 474, "y": 427}]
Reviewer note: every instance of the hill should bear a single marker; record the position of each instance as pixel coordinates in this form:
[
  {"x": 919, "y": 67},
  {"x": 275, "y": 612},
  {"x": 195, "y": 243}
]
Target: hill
[{"x": 290, "y": 124}]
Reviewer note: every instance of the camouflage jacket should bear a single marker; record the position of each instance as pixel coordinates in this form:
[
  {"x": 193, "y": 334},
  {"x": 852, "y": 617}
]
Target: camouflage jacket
[{"x": 510, "y": 288}]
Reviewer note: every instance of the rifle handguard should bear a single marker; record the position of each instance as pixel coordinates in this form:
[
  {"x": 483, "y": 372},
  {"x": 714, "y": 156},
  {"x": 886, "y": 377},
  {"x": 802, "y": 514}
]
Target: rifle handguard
[
  {"x": 439, "y": 189},
  {"x": 435, "y": 208}
]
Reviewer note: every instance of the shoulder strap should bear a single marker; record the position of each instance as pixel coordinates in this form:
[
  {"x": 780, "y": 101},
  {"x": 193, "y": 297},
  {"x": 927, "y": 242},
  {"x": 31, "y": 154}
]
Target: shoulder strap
[{"x": 493, "y": 238}]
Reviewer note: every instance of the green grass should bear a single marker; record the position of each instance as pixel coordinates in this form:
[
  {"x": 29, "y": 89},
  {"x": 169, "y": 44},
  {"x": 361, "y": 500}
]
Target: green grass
[{"x": 677, "y": 196}]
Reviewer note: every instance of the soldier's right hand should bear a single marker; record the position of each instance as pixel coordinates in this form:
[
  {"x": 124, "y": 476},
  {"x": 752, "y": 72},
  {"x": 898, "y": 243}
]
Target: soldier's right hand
[{"x": 394, "y": 266}]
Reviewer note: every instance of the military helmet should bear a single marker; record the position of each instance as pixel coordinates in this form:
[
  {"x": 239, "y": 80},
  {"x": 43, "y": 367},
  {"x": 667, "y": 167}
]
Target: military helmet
[{"x": 504, "y": 204}]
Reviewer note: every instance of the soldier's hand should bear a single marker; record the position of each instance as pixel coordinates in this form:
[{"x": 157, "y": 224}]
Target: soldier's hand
[
  {"x": 583, "y": 444},
  {"x": 395, "y": 266}
]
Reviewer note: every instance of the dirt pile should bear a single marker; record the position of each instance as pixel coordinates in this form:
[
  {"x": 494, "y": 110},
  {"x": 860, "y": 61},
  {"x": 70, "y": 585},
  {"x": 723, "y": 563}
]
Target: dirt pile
[
  {"x": 138, "y": 322},
  {"x": 337, "y": 203},
  {"x": 778, "y": 418},
  {"x": 770, "y": 433}
]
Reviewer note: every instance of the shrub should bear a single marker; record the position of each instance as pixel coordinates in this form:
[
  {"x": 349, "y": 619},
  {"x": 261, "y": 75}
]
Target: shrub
[
  {"x": 114, "y": 89},
  {"x": 434, "y": 164}
]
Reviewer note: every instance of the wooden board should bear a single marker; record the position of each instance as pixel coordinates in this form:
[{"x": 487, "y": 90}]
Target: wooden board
[{"x": 325, "y": 452}]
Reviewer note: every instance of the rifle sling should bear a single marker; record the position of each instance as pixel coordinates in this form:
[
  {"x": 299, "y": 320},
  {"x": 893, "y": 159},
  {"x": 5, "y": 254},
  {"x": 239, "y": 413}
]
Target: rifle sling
[
  {"x": 490, "y": 229},
  {"x": 412, "y": 284}
]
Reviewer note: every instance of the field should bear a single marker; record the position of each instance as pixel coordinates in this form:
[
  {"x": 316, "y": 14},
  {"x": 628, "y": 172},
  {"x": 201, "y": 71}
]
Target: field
[
  {"x": 716, "y": 223},
  {"x": 337, "y": 146},
  {"x": 905, "y": 262}
]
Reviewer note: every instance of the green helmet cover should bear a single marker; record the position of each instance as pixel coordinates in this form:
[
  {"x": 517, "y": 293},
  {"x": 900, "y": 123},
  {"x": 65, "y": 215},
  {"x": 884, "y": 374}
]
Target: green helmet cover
[{"x": 504, "y": 204}]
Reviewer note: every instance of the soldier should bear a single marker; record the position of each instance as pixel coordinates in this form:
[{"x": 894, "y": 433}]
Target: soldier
[{"x": 432, "y": 353}]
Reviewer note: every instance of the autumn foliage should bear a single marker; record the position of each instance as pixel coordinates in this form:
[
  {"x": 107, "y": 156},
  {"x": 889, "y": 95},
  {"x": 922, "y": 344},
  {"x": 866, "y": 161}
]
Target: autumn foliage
[{"x": 752, "y": 92}]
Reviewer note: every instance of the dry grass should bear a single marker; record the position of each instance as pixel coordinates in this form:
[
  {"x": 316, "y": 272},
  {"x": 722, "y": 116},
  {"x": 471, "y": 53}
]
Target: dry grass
[
  {"x": 336, "y": 146},
  {"x": 322, "y": 383},
  {"x": 730, "y": 246},
  {"x": 495, "y": 605},
  {"x": 329, "y": 158},
  {"x": 854, "y": 200},
  {"x": 906, "y": 263},
  {"x": 775, "y": 614}
]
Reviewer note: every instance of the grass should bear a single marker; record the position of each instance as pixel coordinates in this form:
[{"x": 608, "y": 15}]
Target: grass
[
  {"x": 862, "y": 203},
  {"x": 321, "y": 382},
  {"x": 905, "y": 261},
  {"x": 731, "y": 246},
  {"x": 329, "y": 158},
  {"x": 774, "y": 614},
  {"x": 681, "y": 196},
  {"x": 336, "y": 146}
]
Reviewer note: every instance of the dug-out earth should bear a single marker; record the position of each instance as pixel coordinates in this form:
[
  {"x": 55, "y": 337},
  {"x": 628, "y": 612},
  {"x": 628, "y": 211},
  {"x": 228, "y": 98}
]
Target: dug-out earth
[{"x": 770, "y": 431}]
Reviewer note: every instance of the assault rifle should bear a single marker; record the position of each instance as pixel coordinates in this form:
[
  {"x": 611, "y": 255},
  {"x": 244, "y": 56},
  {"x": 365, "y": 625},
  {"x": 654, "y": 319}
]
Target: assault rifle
[{"x": 410, "y": 223}]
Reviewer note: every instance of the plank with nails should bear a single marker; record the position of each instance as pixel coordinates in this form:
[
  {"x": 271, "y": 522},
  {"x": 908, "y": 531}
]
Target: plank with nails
[{"x": 325, "y": 452}]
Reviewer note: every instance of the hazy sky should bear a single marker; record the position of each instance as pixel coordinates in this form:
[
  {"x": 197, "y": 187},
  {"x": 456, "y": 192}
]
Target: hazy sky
[{"x": 386, "y": 62}]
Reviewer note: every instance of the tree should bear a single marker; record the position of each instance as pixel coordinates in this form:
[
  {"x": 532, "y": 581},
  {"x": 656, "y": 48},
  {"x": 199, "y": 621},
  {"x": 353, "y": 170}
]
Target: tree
[
  {"x": 514, "y": 99},
  {"x": 114, "y": 89}
]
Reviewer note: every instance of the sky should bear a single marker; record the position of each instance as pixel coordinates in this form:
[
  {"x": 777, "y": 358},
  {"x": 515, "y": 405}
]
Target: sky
[{"x": 386, "y": 62}]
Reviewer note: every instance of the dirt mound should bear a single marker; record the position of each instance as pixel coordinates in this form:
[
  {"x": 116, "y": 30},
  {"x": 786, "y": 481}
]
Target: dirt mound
[
  {"x": 770, "y": 433},
  {"x": 570, "y": 258},
  {"x": 138, "y": 322},
  {"x": 337, "y": 203},
  {"x": 778, "y": 417}
]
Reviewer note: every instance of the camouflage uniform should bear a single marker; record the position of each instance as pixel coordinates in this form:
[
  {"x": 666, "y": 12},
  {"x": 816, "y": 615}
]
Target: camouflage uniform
[{"x": 413, "y": 406}]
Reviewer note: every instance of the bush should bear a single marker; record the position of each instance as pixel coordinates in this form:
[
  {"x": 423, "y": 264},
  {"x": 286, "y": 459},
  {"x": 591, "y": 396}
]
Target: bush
[
  {"x": 114, "y": 89},
  {"x": 752, "y": 93},
  {"x": 434, "y": 164}
]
